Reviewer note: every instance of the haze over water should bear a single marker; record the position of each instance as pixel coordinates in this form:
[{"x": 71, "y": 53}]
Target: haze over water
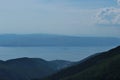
[
  {"x": 50, "y": 53},
  {"x": 98, "y": 18}
]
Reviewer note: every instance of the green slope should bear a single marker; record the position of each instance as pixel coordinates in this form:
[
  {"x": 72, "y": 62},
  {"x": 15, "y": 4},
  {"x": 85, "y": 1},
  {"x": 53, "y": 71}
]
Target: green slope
[
  {"x": 107, "y": 70},
  {"x": 103, "y": 66}
]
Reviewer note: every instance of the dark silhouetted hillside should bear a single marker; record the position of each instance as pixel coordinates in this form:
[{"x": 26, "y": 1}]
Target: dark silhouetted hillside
[
  {"x": 29, "y": 68},
  {"x": 102, "y": 66}
]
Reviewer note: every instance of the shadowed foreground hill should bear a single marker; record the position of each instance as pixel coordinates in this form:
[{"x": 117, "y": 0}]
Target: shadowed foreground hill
[
  {"x": 29, "y": 68},
  {"x": 102, "y": 66}
]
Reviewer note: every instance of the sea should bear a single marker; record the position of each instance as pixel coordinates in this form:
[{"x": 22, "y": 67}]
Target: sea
[{"x": 51, "y": 53}]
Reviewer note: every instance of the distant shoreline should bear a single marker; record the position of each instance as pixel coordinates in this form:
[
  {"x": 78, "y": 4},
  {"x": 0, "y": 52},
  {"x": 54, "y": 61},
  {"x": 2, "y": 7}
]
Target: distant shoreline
[{"x": 45, "y": 40}]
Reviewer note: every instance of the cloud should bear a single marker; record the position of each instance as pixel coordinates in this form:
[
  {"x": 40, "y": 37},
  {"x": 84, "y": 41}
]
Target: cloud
[
  {"x": 109, "y": 16},
  {"x": 118, "y": 1}
]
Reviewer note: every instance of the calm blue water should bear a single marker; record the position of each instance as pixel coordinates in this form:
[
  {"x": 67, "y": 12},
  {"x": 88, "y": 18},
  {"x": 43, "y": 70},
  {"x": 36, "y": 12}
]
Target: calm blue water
[{"x": 50, "y": 53}]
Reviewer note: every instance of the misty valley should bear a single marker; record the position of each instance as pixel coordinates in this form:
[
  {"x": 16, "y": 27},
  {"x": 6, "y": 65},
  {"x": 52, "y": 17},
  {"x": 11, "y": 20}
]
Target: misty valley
[
  {"x": 58, "y": 57},
  {"x": 59, "y": 39},
  {"x": 98, "y": 66}
]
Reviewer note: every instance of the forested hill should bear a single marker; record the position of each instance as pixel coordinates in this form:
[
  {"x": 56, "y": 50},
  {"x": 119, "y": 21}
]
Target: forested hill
[
  {"x": 102, "y": 66},
  {"x": 29, "y": 68}
]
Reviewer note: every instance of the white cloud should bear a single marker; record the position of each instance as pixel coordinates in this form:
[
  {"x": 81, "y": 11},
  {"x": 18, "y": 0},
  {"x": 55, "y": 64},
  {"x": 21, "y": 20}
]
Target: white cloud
[
  {"x": 109, "y": 16},
  {"x": 50, "y": 16},
  {"x": 118, "y": 1}
]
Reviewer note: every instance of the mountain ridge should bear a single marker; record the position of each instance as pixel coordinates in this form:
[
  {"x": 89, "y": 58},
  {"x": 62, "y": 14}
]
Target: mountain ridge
[
  {"x": 92, "y": 68},
  {"x": 27, "y": 40},
  {"x": 27, "y": 68}
]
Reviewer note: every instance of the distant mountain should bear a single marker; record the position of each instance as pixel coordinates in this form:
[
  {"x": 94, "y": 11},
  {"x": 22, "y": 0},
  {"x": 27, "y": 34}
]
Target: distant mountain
[
  {"x": 29, "y": 68},
  {"x": 102, "y": 66},
  {"x": 13, "y": 40}
]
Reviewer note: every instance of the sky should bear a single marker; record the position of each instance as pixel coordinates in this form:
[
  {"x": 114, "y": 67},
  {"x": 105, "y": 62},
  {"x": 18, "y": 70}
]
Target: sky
[{"x": 67, "y": 17}]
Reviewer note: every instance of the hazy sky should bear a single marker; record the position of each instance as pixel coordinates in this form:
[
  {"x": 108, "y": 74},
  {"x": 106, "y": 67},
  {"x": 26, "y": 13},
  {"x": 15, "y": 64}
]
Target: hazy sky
[{"x": 69, "y": 17}]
